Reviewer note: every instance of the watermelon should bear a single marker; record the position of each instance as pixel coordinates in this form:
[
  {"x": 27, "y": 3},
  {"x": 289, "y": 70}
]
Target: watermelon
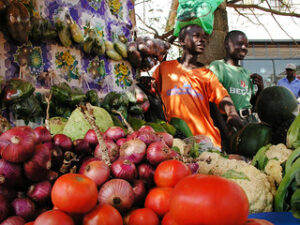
[
  {"x": 250, "y": 139},
  {"x": 275, "y": 105}
]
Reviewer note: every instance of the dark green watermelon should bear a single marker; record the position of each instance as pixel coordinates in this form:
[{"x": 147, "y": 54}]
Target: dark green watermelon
[
  {"x": 250, "y": 139},
  {"x": 275, "y": 105}
]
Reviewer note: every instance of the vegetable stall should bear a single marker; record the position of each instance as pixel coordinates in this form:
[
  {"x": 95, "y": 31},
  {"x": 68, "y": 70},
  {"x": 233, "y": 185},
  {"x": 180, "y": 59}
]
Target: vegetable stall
[{"x": 81, "y": 144}]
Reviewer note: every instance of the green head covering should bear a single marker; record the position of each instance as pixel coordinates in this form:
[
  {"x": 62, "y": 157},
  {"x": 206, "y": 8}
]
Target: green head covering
[{"x": 198, "y": 12}]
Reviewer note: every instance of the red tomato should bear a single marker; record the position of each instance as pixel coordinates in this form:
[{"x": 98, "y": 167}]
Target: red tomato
[
  {"x": 53, "y": 217},
  {"x": 143, "y": 216},
  {"x": 258, "y": 222},
  {"x": 103, "y": 215},
  {"x": 158, "y": 199},
  {"x": 169, "y": 172},
  {"x": 29, "y": 223},
  {"x": 168, "y": 220},
  {"x": 209, "y": 200},
  {"x": 74, "y": 193}
]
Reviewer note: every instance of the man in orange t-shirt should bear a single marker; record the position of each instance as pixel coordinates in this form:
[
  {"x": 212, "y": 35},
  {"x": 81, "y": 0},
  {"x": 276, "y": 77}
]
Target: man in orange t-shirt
[{"x": 186, "y": 87}]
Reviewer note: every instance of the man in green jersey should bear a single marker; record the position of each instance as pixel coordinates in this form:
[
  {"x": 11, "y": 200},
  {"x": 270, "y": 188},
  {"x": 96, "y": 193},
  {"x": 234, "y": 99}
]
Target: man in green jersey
[{"x": 238, "y": 81}]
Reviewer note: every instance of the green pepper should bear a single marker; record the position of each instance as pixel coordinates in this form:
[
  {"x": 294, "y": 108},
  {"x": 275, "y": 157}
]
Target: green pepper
[
  {"x": 135, "y": 122},
  {"x": 76, "y": 98},
  {"x": 282, "y": 190},
  {"x": 17, "y": 90},
  {"x": 107, "y": 100},
  {"x": 92, "y": 97},
  {"x": 61, "y": 92},
  {"x": 181, "y": 125}
]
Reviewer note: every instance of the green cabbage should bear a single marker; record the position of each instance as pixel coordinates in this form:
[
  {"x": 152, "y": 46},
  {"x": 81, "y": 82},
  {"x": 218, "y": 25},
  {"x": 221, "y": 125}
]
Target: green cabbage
[
  {"x": 77, "y": 125},
  {"x": 293, "y": 134}
]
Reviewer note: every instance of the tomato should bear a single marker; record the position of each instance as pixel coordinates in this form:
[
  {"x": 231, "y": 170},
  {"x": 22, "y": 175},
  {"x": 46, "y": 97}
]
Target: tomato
[
  {"x": 103, "y": 215},
  {"x": 209, "y": 200},
  {"x": 74, "y": 193},
  {"x": 53, "y": 217},
  {"x": 168, "y": 220},
  {"x": 169, "y": 172},
  {"x": 143, "y": 216},
  {"x": 29, "y": 223},
  {"x": 258, "y": 222},
  {"x": 158, "y": 199}
]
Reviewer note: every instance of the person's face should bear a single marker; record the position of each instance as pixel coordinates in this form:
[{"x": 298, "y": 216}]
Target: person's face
[
  {"x": 195, "y": 40},
  {"x": 290, "y": 73},
  {"x": 237, "y": 47}
]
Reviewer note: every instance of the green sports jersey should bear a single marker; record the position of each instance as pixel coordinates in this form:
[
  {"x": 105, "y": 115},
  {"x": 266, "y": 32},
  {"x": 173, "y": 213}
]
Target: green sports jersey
[{"x": 237, "y": 82}]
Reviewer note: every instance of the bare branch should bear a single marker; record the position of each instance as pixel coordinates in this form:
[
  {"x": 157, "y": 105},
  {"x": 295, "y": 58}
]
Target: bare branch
[
  {"x": 233, "y": 1},
  {"x": 172, "y": 15},
  {"x": 243, "y": 15},
  {"x": 141, "y": 2},
  {"x": 151, "y": 28},
  {"x": 261, "y": 24},
  {"x": 270, "y": 10}
]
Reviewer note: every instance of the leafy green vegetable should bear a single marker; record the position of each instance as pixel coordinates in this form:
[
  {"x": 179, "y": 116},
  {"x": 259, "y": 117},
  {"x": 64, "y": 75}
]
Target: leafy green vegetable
[
  {"x": 77, "y": 125},
  {"x": 293, "y": 134},
  {"x": 57, "y": 125}
]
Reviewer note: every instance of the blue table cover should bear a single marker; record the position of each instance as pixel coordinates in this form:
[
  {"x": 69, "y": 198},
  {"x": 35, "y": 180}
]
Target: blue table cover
[{"x": 277, "y": 218}]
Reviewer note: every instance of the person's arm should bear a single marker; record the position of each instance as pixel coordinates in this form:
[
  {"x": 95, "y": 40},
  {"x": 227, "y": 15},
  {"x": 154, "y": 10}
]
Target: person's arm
[
  {"x": 233, "y": 119},
  {"x": 257, "y": 80}
]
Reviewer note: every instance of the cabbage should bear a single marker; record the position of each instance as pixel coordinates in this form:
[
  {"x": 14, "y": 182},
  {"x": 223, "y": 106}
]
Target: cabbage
[
  {"x": 293, "y": 134},
  {"x": 77, "y": 125},
  {"x": 57, "y": 124}
]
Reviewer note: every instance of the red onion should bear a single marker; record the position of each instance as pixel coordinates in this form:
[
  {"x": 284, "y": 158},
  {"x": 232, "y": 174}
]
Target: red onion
[
  {"x": 63, "y": 141},
  {"x": 146, "y": 128},
  {"x": 146, "y": 172},
  {"x": 4, "y": 207},
  {"x": 14, "y": 220},
  {"x": 148, "y": 137},
  {"x": 139, "y": 191},
  {"x": 81, "y": 146},
  {"x": 23, "y": 207},
  {"x": 37, "y": 168},
  {"x": 124, "y": 169},
  {"x": 133, "y": 150},
  {"x": 96, "y": 170},
  {"x": 7, "y": 192},
  {"x": 40, "y": 192},
  {"x": 114, "y": 133},
  {"x": 158, "y": 152},
  {"x": 113, "y": 150},
  {"x": 167, "y": 138},
  {"x": 10, "y": 173},
  {"x": 193, "y": 167},
  {"x": 52, "y": 176},
  {"x": 42, "y": 134},
  {"x": 118, "y": 193},
  {"x": 21, "y": 144},
  {"x": 91, "y": 138},
  {"x": 84, "y": 163},
  {"x": 132, "y": 135},
  {"x": 121, "y": 141},
  {"x": 57, "y": 156}
]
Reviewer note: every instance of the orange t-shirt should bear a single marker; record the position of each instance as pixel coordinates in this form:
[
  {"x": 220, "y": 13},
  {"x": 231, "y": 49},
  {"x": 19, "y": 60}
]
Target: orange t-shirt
[{"x": 186, "y": 95}]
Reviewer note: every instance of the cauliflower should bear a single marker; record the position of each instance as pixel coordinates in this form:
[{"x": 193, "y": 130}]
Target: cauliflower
[
  {"x": 276, "y": 155},
  {"x": 279, "y": 152},
  {"x": 180, "y": 144},
  {"x": 259, "y": 189}
]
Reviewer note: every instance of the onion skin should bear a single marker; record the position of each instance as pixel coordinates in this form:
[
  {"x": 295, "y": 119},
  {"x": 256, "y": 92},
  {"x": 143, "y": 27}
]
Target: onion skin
[
  {"x": 146, "y": 173},
  {"x": 121, "y": 141},
  {"x": 158, "y": 152},
  {"x": 24, "y": 208},
  {"x": 21, "y": 144},
  {"x": 63, "y": 141},
  {"x": 146, "y": 128},
  {"x": 91, "y": 138},
  {"x": 37, "y": 168},
  {"x": 40, "y": 192},
  {"x": 42, "y": 134},
  {"x": 7, "y": 192},
  {"x": 97, "y": 170},
  {"x": 148, "y": 137},
  {"x": 113, "y": 150},
  {"x": 167, "y": 138},
  {"x": 139, "y": 191},
  {"x": 133, "y": 150},
  {"x": 84, "y": 163},
  {"x": 193, "y": 167},
  {"x": 124, "y": 169},
  {"x": 81, "y": 146},
  {"x": 114, "y": 133},
  {"x": 118, "y": 193},
  {"x": 4, "y": 207},
  {"x": 14, "y": 220},
  {"x": 10, "y": 173}
]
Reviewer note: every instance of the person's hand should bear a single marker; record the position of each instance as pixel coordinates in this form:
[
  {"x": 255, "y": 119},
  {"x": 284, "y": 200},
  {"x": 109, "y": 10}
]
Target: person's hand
[
  {"x": 258, "y": 80},
  {"x": 234, "y": 121}
]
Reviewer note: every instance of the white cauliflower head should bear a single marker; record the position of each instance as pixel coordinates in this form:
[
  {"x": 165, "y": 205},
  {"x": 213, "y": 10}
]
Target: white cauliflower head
[{"x": 259, "y": 189}]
